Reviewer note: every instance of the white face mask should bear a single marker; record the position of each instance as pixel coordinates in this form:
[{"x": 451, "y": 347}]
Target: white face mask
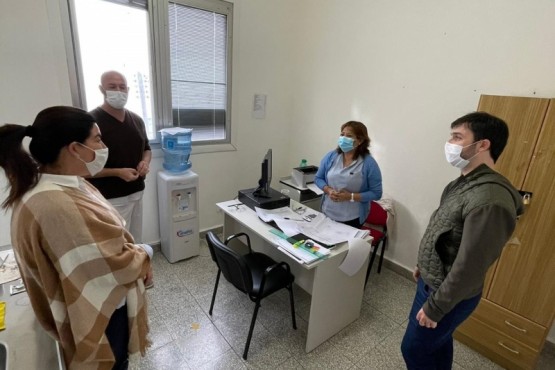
[
  {"x": 453, "y": 155},
  {"x": 99, "y": 161},
  {"x": 116, "y": 99}
]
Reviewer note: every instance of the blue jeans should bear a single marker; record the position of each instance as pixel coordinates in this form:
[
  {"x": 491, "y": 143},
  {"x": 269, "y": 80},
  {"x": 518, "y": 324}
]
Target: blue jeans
[{"x": 432, "y": 349}]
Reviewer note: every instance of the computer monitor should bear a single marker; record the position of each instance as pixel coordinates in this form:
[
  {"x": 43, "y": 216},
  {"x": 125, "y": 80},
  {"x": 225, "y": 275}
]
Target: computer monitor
[{"x": 263, "y": 189}]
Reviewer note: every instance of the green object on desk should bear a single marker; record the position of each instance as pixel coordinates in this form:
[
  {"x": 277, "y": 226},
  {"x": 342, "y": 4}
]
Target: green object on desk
[{"x": 298, "y": 243}]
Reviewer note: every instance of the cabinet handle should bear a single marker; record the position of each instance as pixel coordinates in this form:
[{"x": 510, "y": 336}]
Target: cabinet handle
[
  {"x": 515, "y": 327},
  {"x": 508, "y": 348}
]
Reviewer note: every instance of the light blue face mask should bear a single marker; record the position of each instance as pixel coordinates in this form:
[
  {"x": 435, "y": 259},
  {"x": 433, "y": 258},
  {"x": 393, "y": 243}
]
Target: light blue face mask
[{"x": 346, "y": 144}]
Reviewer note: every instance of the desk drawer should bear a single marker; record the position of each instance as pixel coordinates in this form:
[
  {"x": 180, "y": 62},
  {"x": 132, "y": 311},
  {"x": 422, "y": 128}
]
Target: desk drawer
[
  {"x": 511, "y": 324},
  {"x": 500, "y": 348}
]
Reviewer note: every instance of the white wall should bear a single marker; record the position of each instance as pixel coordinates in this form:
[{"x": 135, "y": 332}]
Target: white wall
[
  {"x": 408, "y": 69},
  {"x": 33, "y": 70},
  {"x": 405, "y": 68}
]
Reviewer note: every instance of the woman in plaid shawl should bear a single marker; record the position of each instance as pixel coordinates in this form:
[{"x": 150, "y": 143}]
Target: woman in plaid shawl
[{"x": 84, "y": 275}]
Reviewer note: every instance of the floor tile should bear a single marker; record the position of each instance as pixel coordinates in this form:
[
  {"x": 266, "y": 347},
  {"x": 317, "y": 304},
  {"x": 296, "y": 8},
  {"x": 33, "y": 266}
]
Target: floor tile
[
  {"x": 202, "y": 345},
  {"x": 160, "y": 335},
  {"x": 382, "y": 358},
  {"x": 168, "y": 357},
  {"x": 227, "y": 361},
  {"x": 325, "y": 356},
  {"x": 361, "y": 336},
  {"x": 185, "y": 336},
  {"x": 390, "y": 293}
]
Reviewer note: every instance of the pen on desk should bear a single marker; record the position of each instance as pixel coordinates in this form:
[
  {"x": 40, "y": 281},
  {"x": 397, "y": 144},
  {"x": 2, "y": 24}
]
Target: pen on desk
[{"x": 292, "y": 219}]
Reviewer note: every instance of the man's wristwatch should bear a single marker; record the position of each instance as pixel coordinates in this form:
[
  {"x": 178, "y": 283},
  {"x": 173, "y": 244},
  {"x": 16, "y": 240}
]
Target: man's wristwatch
[{"x": 352, "y": 197}]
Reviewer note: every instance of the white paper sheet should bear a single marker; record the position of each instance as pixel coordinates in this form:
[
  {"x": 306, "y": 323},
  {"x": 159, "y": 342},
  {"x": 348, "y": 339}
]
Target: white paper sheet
[
  {"x": 359, "y": 250},
  {"x": 329, "y": 232},
  {"x": 285, "y": 218},
  {"x": 315, "y": 188},
  {"x": 9, "y": 270},
  {"x": 311, "y": 223}
]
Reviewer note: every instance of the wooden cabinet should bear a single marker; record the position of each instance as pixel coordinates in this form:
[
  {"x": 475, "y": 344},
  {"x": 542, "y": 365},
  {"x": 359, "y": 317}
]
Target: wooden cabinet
[{"x": 518, "y": 303}]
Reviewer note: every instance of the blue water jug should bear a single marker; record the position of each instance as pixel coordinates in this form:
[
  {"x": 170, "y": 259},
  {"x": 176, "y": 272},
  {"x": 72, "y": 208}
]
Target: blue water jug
[{"x": 177, "y": 146}]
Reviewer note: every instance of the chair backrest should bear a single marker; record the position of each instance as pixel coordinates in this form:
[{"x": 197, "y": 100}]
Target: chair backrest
[
  {"x": 377, "y": 215},
  {"x": 232, "y": 264}
]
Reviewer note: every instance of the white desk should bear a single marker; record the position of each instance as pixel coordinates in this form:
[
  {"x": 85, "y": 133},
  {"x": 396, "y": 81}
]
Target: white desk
[{"x": 336, "y": 298}]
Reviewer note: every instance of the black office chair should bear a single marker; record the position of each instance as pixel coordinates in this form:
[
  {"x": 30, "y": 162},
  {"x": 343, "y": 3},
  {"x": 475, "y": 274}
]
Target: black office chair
[{"x": 253, "y": 273}]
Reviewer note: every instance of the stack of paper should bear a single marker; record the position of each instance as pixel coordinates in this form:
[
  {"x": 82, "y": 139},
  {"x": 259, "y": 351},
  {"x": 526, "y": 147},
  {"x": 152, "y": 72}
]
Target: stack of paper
[{"x": 313, "y": 224}]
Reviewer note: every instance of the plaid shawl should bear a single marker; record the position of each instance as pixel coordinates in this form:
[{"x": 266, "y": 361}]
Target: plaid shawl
[{"x": 78, "y": 264}]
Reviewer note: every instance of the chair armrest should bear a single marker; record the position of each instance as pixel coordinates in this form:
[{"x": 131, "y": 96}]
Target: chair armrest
[
  {"x": 269, "y": 271},
  {"x": 231, "y": 237},
  {"x": 273, "y": 267}
]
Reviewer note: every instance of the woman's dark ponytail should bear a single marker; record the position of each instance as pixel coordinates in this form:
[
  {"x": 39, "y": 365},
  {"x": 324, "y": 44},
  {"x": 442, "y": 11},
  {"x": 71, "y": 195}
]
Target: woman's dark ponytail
[
  {"x": 20, "y": 168},
  {"x": 53, "y": 129}
]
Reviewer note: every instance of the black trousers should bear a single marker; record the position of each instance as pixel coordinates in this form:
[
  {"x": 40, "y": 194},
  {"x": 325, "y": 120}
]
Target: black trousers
[{"x": 118, "y": 336}]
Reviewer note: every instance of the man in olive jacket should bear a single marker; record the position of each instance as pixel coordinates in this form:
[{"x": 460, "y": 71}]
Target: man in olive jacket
[{"x": 466, "y": 234}]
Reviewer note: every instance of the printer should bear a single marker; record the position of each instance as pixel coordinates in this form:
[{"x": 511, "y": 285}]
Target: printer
[
  {"x": 303, "y": 175},
  {"x": 296, "y": 186}
]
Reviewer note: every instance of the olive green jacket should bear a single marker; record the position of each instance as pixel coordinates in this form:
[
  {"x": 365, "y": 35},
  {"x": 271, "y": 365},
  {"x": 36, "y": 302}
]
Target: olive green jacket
[{"x": 466, "y": 234}]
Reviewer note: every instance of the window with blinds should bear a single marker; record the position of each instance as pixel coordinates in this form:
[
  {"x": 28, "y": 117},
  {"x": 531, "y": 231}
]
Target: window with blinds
[
  {"x": 198, "y": 56},
  {"x": 174, "y": 54}
]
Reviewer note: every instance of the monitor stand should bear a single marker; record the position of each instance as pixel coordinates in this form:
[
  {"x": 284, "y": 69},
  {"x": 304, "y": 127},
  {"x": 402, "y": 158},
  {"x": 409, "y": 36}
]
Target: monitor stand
[{"x": 274, "y": 199}]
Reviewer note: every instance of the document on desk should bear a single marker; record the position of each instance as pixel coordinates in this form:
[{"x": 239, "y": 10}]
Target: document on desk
[
  {"x": 315, "y": 225},
  {"x": 285, "y": 218},
  {"x": 9, "y": 269},
  {"x": 329, "y": 232}
]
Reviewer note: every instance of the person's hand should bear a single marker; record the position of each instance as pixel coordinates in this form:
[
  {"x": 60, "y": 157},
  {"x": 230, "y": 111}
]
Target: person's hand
[
  {"x": 416, "y": 274},
  {"x": 143, "y": 168},
  {"x": 424, "y": 320},
  {"x": 344, "y": 195},
  {"x": 148, "y": 277},
  {"x": 334, "y": 195},
  {"x": 128, "y": 174},
  {"x": 339, "y": 195}
]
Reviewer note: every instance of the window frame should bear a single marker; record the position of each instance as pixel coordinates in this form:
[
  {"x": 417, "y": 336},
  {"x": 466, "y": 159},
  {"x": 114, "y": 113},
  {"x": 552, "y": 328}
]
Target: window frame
[{"x": 158, "y": 17}]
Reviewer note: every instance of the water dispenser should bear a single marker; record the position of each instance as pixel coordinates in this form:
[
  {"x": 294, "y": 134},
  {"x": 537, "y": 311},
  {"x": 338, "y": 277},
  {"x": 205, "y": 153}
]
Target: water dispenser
[{"x": 178, "y": 212}]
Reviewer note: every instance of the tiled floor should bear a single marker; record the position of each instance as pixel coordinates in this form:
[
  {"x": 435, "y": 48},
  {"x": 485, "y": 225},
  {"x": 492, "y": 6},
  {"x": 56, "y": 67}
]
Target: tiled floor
[{"x": 184, "y": 336}]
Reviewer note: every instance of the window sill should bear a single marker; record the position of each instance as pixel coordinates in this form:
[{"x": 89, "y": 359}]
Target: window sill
[{"x": 197, "y": 149}]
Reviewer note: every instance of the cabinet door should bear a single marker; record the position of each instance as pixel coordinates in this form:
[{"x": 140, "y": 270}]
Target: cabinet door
[
  {"x": 524, "y": 281},
  {"x": 524, "y": 117}
]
